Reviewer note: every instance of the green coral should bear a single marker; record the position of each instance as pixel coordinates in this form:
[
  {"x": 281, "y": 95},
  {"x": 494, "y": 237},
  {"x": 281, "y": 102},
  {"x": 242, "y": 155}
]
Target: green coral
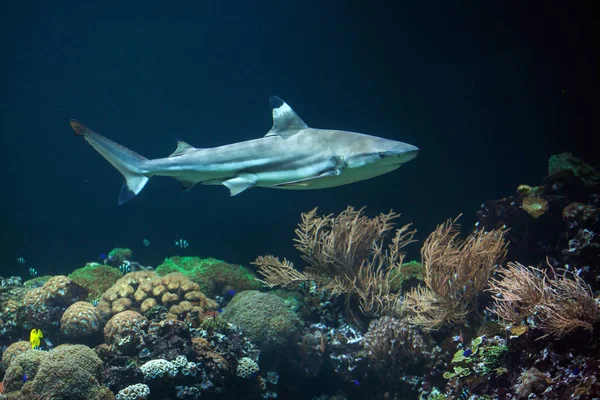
[
  {"x": 407, "y": 271},
  {"x": 214, "y": 324},
  {"x": 69, "y": 372},
  {"x": 567, "y": 162},
  {"x": 95, "y": 278},
  {"x": 25, "y": 364},
  {"x": 120, "y": 254},
  {"x": 264, "y": 317},
  {"x": 37, "y": 281},
  {"x": 458, "y": 372},
  {"x": 214, "y": 276},
  {"x": 483, "y": 359}
]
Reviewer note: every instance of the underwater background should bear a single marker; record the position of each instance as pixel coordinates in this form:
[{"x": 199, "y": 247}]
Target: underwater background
[{"x": 488, "y": 91}]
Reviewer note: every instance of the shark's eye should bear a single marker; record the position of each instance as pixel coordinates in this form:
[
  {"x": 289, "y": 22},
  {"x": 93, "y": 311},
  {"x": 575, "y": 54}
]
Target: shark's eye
[{"x": 381, "y": 155}]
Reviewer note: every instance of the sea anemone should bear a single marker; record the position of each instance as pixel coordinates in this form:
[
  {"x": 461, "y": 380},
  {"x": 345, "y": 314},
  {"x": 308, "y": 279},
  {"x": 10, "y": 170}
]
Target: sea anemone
[{"x": 534, "y": 205}]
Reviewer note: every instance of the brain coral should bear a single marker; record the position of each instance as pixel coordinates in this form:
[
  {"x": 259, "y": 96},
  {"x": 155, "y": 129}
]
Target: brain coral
[
  {"x": 42, "y": 307},
  {"x": 13, "y": 351},
  {"x": 124, "y": 330},
  {"x": 143, "y": 290},
  {"x": 81, "y": 319},
  {"x": 25, "y": 364},
  {"x": 95, "y": 278},
  {"x": 215, "y": 277},
  {"x": 264, "y": 317},
  {"x": 70, "y": 372}
]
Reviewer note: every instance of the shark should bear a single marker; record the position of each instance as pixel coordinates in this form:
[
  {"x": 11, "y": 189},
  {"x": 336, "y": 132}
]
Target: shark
[{"x": 290, "y": 156}]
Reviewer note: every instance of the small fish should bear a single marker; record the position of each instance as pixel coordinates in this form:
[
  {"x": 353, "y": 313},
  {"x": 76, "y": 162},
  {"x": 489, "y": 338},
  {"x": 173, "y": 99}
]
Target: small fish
[
  {"x": 356, "y": 382},
  {"x": 21, "y": 260},
  {"x": 231, "y": 292},
  {"x": 35, "y": 338},
  {"x": 125, "y": 267},
  {"x": 182, "y": 243},
  {"x": 24, "y": 378},
  {"x": 146, "y": 242},
  {"x": 102, "y": 257},
  {"x": 465, "y": 394},
  {"x": 33, "y": 272},
  {"x": 467, "y": 353}
]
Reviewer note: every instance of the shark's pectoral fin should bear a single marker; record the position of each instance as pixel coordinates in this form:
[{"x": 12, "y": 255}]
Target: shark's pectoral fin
[
  {"x": 285, "y": 121},
  {"x": 307, "y": 182},
  {"x": 182, "y": 148},
  {"x": 240, "y": 183}
]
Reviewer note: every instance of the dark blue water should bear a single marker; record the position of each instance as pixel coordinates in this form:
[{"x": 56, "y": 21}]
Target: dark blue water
[{"x": 486, "y": 92}]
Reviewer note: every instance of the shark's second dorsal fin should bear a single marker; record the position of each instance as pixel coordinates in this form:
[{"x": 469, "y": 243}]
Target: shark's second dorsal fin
[
  {"x": 182, "y": 148},
  {"x": 285, "y": 121}
]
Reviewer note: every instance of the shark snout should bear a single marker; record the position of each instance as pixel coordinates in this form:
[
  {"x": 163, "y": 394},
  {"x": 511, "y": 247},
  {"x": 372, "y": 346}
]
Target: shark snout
[{"x": 405, "y": 152}]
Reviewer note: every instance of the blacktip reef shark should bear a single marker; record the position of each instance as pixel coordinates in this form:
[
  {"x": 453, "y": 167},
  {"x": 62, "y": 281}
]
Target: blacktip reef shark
[{"x": 290, "y": 156}]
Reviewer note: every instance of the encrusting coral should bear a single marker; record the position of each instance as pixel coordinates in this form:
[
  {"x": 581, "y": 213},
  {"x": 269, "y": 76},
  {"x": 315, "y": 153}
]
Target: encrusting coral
[
  {"x": 68, "y": 372},
  {"x": 25, "y": 364},
  {"x": 143, "y": 290},
  {"x": 95, "y": 278},
  {"x": 214, "y": 277},
  {"x": 264, "y": 317}
]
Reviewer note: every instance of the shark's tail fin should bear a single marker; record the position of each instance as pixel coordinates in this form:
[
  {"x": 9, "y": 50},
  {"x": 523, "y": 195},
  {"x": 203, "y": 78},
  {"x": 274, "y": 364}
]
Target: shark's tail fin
[{"x": 130, "y": 164}]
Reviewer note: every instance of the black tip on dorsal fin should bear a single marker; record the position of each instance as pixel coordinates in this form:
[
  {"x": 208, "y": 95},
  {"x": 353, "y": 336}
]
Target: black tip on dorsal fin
[
  {"x": 275, "y": 102},
  {"x": 285, "y": 121}
]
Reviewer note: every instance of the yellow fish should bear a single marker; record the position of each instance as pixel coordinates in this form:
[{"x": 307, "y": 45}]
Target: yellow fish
[{"x": 34, "y": 338}]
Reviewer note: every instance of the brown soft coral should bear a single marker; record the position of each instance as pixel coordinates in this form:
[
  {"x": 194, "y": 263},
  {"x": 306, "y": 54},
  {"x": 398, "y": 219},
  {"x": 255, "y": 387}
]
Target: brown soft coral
[
  {"x": 81, "y": 319},
  {"x": 143, "y": 290},
  {"x": 124, "y": 330}
]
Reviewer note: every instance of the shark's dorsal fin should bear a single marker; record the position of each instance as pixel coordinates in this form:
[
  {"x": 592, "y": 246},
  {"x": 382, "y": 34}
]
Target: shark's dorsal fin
[
  {"x": 285, "y": 120},
  {"x": 182, "y": 148}
]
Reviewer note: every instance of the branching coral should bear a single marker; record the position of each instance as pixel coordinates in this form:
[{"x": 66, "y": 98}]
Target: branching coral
[
  {"x": 455, "y": 272},
  {"x": 345, "y": 255},
  {"x": 560, "y": 305}
]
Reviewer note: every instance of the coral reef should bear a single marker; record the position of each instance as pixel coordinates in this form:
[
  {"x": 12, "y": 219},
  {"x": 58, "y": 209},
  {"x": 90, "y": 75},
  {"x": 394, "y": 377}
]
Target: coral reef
[
  {"x": 95, "y": 278},
  {"x": 67, "y": 372},
  {"x": 25, "y": 364},
  {"x": 12, "y": 352},
  {"x": 81, "y": 319},
  {"x": 124, "y": 330},
  {"x": 265, "y": 318},
  {"x": 144, "y": 290},
  {"x": 214, "y": 277},
  {"x": 159, "y": 368},
  {"x": 246, "y": 368},
  {"x": 117, "y": 256},
  {"x": 345, "y": 255},
  {"x": 139, "y": 391},
  {"x": 456, "y": 271},
  {"x": 43, "y": 307}
]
